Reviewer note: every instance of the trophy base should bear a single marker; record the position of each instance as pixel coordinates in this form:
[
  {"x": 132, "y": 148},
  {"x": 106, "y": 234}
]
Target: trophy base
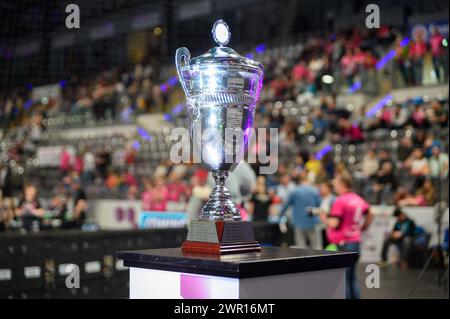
[{"x": 220, "y": 237}]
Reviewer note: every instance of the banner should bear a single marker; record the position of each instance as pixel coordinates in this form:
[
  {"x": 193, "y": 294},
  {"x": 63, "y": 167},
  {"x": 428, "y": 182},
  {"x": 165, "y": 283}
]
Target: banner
[
  {"x": 50, "y": 91},
  {"x": 115, "y": 214},
  {"x": 153, "y": 219},
  {"x": 49, "y": 156}
]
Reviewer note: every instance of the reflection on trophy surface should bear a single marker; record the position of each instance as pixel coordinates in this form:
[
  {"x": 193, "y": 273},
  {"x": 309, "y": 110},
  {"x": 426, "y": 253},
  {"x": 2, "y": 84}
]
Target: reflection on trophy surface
[{"x": 221, "y": 89}]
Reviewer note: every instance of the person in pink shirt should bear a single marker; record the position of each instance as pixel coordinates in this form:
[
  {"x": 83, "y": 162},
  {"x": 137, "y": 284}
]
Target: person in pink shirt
[
  {"x": 155, "y": 196},
  {"x": 65, "y": 164},
  {"x": 178, "y": 190},
  {"x": 417, "y": 51},
  {"x": 301, "y": 73},
  {"x": 349, "y": 216},
  {"x": 79, "y": 163},
  {"x": 437, "y": 52}
]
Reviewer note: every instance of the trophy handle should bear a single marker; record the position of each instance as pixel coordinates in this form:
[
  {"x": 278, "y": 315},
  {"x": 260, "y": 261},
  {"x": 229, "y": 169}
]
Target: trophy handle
[{"x": 180, "y": 55}]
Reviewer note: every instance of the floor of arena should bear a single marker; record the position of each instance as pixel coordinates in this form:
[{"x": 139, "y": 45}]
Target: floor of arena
[{"x": 398, "y": 284}]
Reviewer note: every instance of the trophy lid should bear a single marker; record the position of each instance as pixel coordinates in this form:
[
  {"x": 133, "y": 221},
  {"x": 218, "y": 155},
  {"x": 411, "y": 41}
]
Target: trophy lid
[
  {"x": 223, "y": 55},
  {"x": 220, "y": 75}
]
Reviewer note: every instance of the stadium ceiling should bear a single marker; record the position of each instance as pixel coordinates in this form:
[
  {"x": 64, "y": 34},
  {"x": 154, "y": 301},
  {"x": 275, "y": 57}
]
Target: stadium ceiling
[{"x": 26, "y": 18}]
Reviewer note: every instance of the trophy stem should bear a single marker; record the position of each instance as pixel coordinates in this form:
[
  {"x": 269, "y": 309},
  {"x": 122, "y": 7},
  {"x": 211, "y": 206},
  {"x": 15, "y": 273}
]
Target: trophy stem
[{"x": 219, "y": 205}]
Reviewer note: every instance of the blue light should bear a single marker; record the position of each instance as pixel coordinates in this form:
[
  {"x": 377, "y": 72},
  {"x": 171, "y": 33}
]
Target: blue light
[
  {"x": 320, "y": 154},
  {"x": 260, "y": 48},
  {"x": 374, "y": 109},
  {"x": 136, "y": 145},
  {"x": 404, "y": 42},
  {"x": 144, "y": 134},
  {"x": 173, "y": 81},
  {"x": 62, "y": 83},
  {"x": 167, "y": 117},
  {"x": 126, "y": 113},
  {"x": 163, "y": 87},
  {"x": 28, "y": 104},
  {"x": 380, "y": 64},
  {"x": 250, "y": 56},
  {"x": 29, "y": 86},
  {"x": 355, "y": 87},
  {"x": 177, "y": 109}
]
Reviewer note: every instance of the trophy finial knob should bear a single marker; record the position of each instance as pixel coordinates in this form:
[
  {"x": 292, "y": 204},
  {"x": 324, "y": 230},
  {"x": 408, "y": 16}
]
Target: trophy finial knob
[{"x": 221, "y": 32}]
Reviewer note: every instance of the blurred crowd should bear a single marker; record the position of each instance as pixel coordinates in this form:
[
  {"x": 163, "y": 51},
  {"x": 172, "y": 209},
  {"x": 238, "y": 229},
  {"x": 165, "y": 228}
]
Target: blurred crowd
[{"x": 299, "y": 98}]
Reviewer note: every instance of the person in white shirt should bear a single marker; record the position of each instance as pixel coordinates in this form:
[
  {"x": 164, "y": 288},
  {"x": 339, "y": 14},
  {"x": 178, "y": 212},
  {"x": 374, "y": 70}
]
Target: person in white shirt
[
  {"x": 418, "y": 167},
  {"x": 438, "y": 163},
  {"x": 370, "y": 164},
  {"x": 88, "y": 166}
]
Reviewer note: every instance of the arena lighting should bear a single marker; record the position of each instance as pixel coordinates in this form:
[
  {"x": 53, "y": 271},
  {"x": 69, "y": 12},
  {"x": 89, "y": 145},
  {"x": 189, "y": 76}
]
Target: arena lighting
[
  {"x": 260, "y": 48},
  {"x": 327, "y": 79},
  {"x": 163, "y": 87},
  {"x": 355, "y": 87},
  {"x": 177, "y": 109},
  {"x": 390, "y": 55},
  {"x": 28, "y": 104},
  {"x": 173, "y": 81},
  {"x": 374, "y": 109},
  {"x": 144, "y": 134},
  {"x": 137, "y": 145},
  {"x": 167, "y": 117},
  {"x": 44, "y": 100},
  {"x": 404, "y": 42},
  {"x": 62, "y": 83},
  {"x": 126, "y": 113},
  {"x": 157, "y": 31},
  {"x": 320, "y": 154}
]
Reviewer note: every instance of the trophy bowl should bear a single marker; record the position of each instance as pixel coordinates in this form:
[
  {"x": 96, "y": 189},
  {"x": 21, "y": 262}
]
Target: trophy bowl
[{"x": 222, "y": 89}]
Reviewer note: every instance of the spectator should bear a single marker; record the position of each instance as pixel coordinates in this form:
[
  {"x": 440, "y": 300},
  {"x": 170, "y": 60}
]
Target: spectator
[
  {"x": 155, "y": 195},
  {"x": 5, "y": 180},
  {"x": 437, "y": 53},
  {"x": 7, "y": 213},
  {"x": 417, "y": 51},
  {"x": 103, "y": 162},
  {"x": 327, "y": 197},
  {"x": 260, "y": 201},
  {"x": 65, "y": 163},
  {"x": 344, "y": 225},
  {"x": 402, "y": 236},
  {"x": 424, "y": 196},
  {"x": 88, "y": 166},
  {"x": 30, "y": 210},
  {"x": 404, "y": 148},
  {"x": 348, "y": 65},
  {"x": 439, "y": 115},
  {"x": 313, "y": 167},
  {"x": 385, "y": 182},
  {"x": 55, "y": 213},
  {"x": 418, "y": 167},
  {"x": 301, "y": 199},
  {"x": 285, "y": 187},
  {"x": 370, "y": 164},
  {"x": 438, "y": 163}
]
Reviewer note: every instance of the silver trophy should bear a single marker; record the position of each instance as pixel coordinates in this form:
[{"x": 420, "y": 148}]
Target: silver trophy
[{"x": 221, "y": 88}]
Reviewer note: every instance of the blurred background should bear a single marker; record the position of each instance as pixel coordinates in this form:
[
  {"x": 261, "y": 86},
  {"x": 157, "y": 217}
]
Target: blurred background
[{"x": 86, "y": 115}]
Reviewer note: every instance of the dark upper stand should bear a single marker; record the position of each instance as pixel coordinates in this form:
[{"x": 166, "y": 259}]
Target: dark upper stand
[{"x": 270, "y": 261}]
